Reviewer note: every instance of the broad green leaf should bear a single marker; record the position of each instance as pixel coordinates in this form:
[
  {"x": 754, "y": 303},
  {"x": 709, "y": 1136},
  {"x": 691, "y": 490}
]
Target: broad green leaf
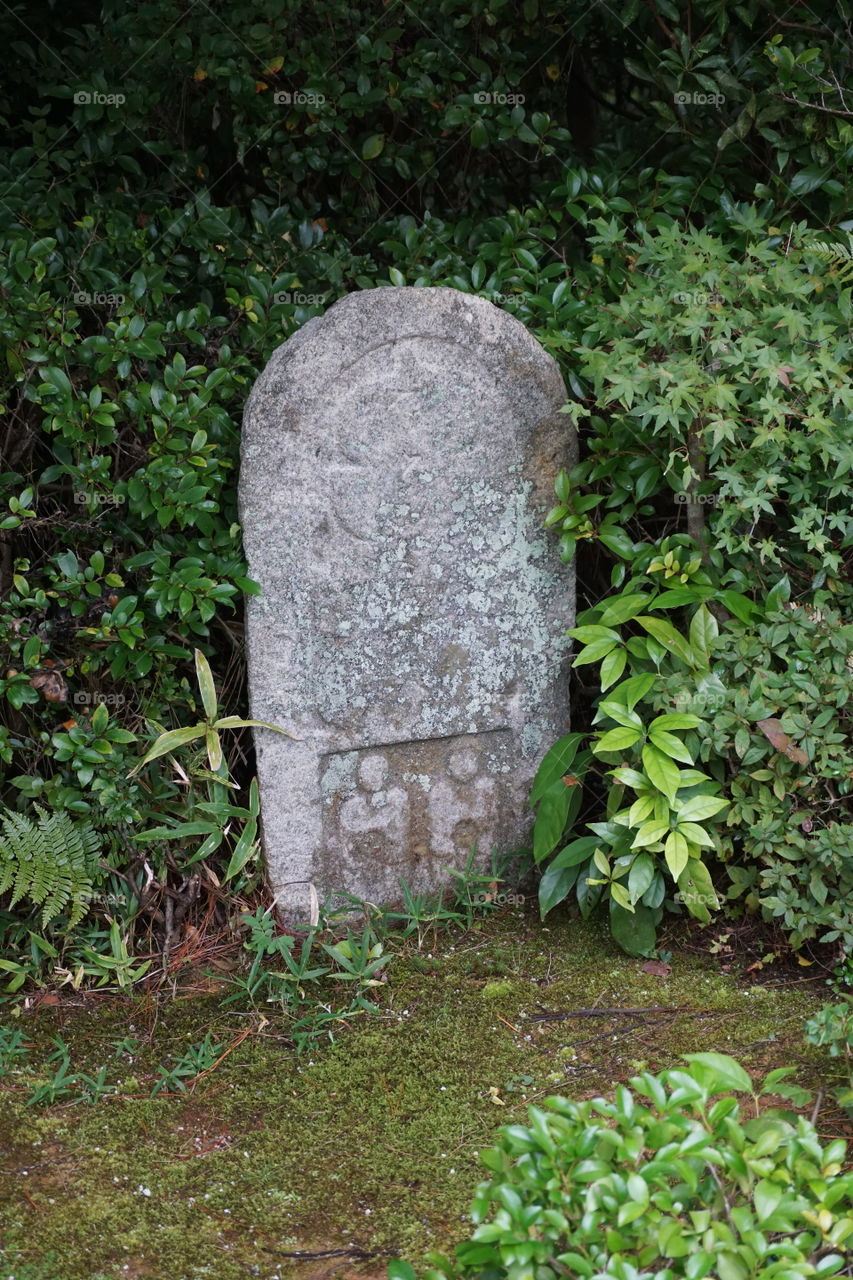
[
  {"x": 555, "y": 885},
  {"x": 665, "y": 634},
  {"x": 578, "y": 851},
  {"x": 619, "y": 739},
  {"x": 695, "y": 834},
  {"x": 622, "y": 609},
  {"x": 676, "y": 853},
  {"x": 372, "y": 146},
  {"x": 640, "y": 810},
  {"x": 634, "y": 931},
  {"x": 741, "y": 606},
  {"x": 592, "y": 634},
  {"x": 670, "y": 746},
  {"x": 616, "y": 711},
  {"x": 703, "y": 631},
  {"x": 594, "y": 652},
  {"x": 630, "y": 778},
  {"x": 555, "y": 763},
  {"x": 100, "y": 718},
  {"x": 675, "y": 720},
  {"x": 718, "y": 1072},
  {"x": 697, "y": 890},
  {"x": 398, "y": 1270},
  {"x": 701, "y": 807},
  {"x": 661, "y": 771},
  {"x": 766, "y": 1197},
  {"x": 617, "y": 540},
  {"x": 612, "y": 667},
  {"x": 641, "y": 875},
  {"x": 650, "y": 833},
  {"x": 632, "y": 690},
  {"x": 550, "y": 820}
]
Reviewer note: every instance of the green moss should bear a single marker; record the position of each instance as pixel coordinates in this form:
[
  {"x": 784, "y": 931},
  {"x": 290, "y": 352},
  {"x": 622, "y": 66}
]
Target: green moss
[{"x": 370, "y": 1142}]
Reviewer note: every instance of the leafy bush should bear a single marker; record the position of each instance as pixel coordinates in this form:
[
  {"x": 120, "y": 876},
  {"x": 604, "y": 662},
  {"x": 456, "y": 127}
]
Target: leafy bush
[
  {"x": 240, "y": 186},
  {"x": 721, "y": 403},
  {"x": 665, "y": 1179}
]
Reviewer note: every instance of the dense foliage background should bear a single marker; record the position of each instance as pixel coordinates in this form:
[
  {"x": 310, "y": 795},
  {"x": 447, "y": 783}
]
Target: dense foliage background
[{"x": 656, "y": 192}]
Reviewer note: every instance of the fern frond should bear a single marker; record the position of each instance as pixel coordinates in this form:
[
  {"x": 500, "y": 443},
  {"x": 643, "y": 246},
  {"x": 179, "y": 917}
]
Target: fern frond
[
  {"x": 52, "y": 862},
  {"x": 837, "y": 254}
]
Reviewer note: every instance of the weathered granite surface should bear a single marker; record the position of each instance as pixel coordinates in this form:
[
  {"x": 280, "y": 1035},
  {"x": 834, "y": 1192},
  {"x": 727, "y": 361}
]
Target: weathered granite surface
[{"x": 398, "y": 455}]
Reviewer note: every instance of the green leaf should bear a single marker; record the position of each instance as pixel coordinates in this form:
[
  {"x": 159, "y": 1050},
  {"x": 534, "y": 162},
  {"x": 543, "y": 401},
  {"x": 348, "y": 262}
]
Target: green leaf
[
  {"x": 214, "y": 749},
  {"x": 398, "y": 1270},
  {"x": 555, "y": 764},
  {"x": 236, "y": 722},
  {"x": 703, "y": 631},
  {"x": 741, "y": 606},
  {"x": 170, "y": 742},
  {"x": 634, "y": 931},
  {"x": 594, "y": 652},
  {"x": 619, "y": 712},
  {"x": 617, "y": 540},
  {"x": 697, "y": 890},
  {"x": 766, "y": 1197},
  {"x": 641, "y": 875},
  {"x": 612, "y": 667},
  {"x": 550, "y": 820},
  {"x": 661, "y": 772},
  {"x": 701, "y": 807},
  {"x": 676, "y": 853},
  {"x": 778, "y": 595},
  {"x": 100, "y": 718},
  {"x": 633, "y": 690},
  {"x": 57, "y": 378},
  {"x": 555, "y": 885},
  {"x": 244, "y": 849},
  {"x": 205, "y": 683},
  {"x": 618, "y": 739},
  {"x": 68, "y": 564},
  {"x": 718, "y": 1073},
  {"x": 372, "y": 146},
  {"x": 670, "y": 745},
  {"x": 675, "y": 720},
  {"x": 665, "y": 633},
  {"x": 589, "y": 635},
  {"x": 623, "y": 609},
  {"x": 649, "y": 833},
  {"x": 178, "y": 832},
  {"x": 578, "y": 851}
]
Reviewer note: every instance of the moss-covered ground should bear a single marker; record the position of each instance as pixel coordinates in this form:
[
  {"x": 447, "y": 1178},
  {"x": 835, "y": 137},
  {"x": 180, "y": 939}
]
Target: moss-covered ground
[{"x": 359, "y": 1149}]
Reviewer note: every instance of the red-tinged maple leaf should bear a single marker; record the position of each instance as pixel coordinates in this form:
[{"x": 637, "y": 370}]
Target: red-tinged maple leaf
[{"x": 782, "y": 374}]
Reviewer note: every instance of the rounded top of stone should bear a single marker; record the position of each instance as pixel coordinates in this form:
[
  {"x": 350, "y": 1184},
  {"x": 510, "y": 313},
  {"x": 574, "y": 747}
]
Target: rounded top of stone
[{"x": 361, "y": 323}]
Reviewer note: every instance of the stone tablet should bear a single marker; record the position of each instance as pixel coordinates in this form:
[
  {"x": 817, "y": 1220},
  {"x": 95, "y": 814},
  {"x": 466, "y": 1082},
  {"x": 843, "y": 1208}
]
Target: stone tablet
[{"x": 398, "y": 457}]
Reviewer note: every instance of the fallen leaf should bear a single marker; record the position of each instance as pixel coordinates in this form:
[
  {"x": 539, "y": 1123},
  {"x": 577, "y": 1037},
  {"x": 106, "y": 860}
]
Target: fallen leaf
[
  {"x": 776, "y": 735},
  {"x": 659, "y": 968},
  {"x": 51, "y": 686},
  {"x": 493, "y": 1097}
]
